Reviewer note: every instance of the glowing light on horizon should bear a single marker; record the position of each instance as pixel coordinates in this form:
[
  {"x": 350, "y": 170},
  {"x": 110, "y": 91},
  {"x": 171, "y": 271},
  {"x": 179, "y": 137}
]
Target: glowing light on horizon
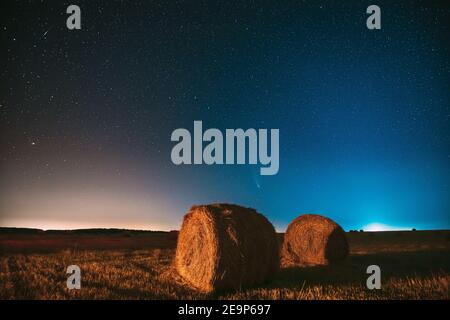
[
  {"x": 383, "y": 227},
  {"x": 89, "y": 208}
]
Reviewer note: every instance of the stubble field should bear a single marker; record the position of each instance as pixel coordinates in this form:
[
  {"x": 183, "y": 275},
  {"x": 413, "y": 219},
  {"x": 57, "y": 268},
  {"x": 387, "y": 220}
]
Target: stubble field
[{"x": 414, "y": 265}]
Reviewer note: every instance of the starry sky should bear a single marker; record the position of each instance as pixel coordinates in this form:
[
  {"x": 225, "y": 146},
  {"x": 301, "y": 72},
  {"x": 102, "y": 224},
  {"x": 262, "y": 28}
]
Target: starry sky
[{"x": 86, "y": 115}]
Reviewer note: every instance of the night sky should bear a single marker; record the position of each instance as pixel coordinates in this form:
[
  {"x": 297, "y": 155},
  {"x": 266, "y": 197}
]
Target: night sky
[{"x": 86, "y": 115}]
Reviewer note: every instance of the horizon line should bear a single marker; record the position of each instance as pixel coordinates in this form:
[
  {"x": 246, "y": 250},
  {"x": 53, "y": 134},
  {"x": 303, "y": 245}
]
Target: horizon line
[{"x": 356, "y": 230}]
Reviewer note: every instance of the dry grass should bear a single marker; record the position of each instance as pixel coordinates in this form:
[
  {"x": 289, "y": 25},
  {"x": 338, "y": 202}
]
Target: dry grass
[
  {"x": 414, "y": 266},
  {"x": 144, "y": 274}
]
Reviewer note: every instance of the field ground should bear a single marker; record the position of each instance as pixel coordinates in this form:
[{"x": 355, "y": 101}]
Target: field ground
[{"x": 138, "y": 265}]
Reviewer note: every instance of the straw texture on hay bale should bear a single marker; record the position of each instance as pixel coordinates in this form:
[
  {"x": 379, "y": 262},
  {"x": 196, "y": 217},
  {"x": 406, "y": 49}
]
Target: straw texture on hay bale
[
  {"x": 226, "y": 247},
  {"x": 312, "y": 239}
]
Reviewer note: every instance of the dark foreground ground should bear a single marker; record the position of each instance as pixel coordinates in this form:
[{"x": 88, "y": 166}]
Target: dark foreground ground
[{"x": 118, "y": 264}]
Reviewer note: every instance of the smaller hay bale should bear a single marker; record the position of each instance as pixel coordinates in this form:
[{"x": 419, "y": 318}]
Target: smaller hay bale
[
  {"x": 312, "y": 239},
  {"x": 226, "y": 247}
]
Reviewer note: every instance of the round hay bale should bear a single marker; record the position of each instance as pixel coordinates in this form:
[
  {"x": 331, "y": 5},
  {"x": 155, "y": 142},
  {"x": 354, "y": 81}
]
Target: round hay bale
[
  {"x": 312, "y": 239},
  {"x": 226, "y": 247}
]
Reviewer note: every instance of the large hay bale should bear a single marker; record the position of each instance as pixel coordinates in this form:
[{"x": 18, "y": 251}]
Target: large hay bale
[
  {"x": 312, "y": 239},
  {"x": 226, "y": 247}
]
